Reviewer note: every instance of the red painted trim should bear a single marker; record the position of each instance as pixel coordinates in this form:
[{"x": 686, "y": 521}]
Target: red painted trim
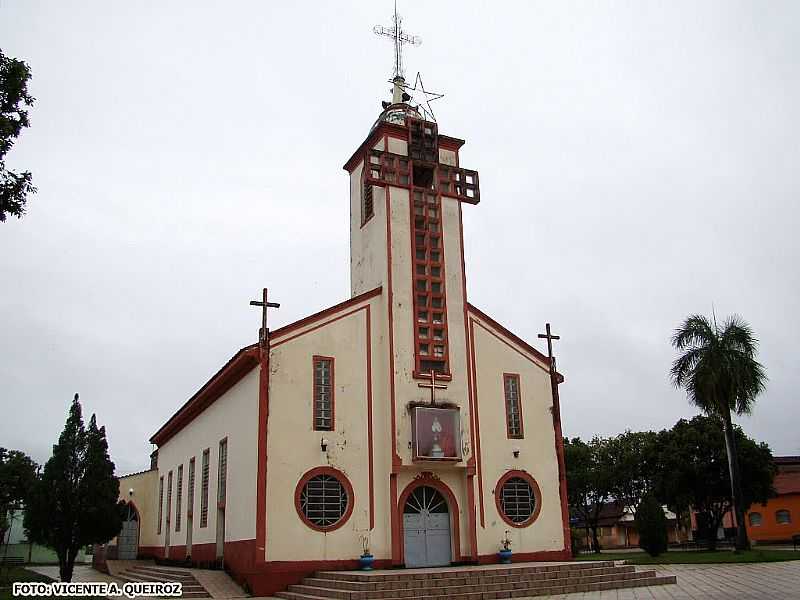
[
  {"x": 394, "y": 521},
  {"x": 276, "y": 576},
  {"x": 191, "y": 481},
  {"x": 428, "y": 264},
  {"x": 396, "y": 460},
  {"x": 450, "y": 143},
  {"x": 205, "y": 487},
  {"x": 473, "y": 530},
  {"x": 221, "y": 503},
  {"x": 342, "y": 478},
  {"x": 471, "y": 462},
  {"x": 314, "y": 360},
  {"x": 541, "y": 359},
  {"x": 521, "y": 434},
  {"x": 286, "y": 329},
  {"x": 512, "y": 346},
  {"x": 562, "y": 469},
  {"x": 369, "y": 418},
  {"x": 537, "y": 493},
  {"x": 236, "y": 368},
  {"x": 477, "y": 421},
  {"x": 442, "y": 487},
  {"x": 261, "y": 475},
  {"x": 382, "y": 129}
]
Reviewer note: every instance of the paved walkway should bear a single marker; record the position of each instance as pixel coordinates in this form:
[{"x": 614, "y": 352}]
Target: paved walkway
[{"x": 759, "y": 581}]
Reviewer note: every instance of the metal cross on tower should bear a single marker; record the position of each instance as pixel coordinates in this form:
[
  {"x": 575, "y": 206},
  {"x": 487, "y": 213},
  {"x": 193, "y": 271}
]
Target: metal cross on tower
[
  {"x": 550, "y": 337},
  {"x": 399, "y": 37},
  {"x": 264, "y": 304},
  {"x": 433, "y": 386}
]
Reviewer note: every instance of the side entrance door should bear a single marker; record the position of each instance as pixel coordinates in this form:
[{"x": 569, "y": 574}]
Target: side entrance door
[
  {"x": 426, "y": 529},
  {"x": 128, "y": 538}
]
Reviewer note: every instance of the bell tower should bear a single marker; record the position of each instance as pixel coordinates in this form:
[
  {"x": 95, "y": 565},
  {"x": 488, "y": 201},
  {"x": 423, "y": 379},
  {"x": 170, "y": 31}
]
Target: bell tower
[{"x": 406, "y": 191}]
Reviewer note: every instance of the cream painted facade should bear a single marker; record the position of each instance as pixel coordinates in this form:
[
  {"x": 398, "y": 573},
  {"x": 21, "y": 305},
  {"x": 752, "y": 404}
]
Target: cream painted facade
[{"x": 263, "y": 403}]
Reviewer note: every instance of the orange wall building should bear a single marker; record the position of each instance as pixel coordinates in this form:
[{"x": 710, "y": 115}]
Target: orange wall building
[{"x": 779, "y": 519}]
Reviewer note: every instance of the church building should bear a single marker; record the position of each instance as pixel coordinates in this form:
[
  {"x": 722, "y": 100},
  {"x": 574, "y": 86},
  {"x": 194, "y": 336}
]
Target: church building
[{"x": 403, "y": 419}]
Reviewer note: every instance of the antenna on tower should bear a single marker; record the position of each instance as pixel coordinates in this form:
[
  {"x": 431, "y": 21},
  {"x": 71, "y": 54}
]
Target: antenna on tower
[
  {"x": 399, "y": 37},
  {"x": 401, "y": 91}
]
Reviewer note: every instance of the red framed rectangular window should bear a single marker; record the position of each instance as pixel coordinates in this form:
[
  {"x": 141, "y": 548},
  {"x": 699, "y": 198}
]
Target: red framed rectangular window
[
  {"x": 323, "y": 394},
  {"x": 204, "y": 489},
  {"x": 179, "y": 498},
  {"x": 169, "y": 498},
  {"x": 222, "y": 472},
  {"x": 513, "y": 405},
  {"x": 190, "y": 490}
]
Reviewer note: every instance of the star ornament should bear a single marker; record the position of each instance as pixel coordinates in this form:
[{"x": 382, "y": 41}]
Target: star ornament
[{"x": 422, "y": 97}]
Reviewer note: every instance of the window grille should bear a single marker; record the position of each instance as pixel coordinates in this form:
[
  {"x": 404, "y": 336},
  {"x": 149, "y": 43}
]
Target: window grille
[
  {"x": 517, "y": 500},
  {"x": 323, "y": 500},
  {"x": 783, "y": 517},
  {"x": 323, "y": 393},
  {"x": 367, "y": 203},
  {"x": 222, "y": 471},
  {"x": 178, "y": 499},
  {"x": 204, "y": 491},
  {"x": 755, "y": 519},
  {"x": 169, "y": 498},
  {"x": 513, "y": 406},
  {"x": 190, "y": 489}
]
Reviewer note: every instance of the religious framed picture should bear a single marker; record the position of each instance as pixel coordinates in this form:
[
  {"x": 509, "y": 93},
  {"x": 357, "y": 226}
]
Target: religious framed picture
[{"x": 436, "y": 433}]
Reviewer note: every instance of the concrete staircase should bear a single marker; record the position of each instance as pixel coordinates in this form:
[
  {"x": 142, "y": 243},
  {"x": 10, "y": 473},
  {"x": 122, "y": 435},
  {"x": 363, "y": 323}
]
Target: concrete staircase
[
  {"x": 191, "y": 588},
  {"x": 473, "y": 583}
]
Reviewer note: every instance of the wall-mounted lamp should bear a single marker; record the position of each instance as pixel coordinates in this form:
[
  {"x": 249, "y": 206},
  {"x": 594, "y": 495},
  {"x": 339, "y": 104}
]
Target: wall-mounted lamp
[
  {"x": 323, "y": 444},
  {"x": 130, "y": 492},
  {"x": 515, "y": 452}
]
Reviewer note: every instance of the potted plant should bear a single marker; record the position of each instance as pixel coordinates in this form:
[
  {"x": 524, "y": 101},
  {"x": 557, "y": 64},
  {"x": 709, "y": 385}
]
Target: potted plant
[
  {"x": 366, "y": 559},
  {"x": 504, "y": 554}
]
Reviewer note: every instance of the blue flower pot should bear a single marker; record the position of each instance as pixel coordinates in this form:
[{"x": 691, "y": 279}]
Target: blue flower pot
[
  {"x": 365, "y": 562},
  {"x": 505, "y": 557}
]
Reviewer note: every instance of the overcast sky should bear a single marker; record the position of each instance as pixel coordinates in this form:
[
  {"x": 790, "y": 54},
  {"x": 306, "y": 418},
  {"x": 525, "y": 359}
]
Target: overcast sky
[{"x": 638, "y": 162}]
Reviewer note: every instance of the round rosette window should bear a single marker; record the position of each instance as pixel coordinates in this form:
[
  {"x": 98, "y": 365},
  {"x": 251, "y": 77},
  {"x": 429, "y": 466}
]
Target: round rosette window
[
  {"x": 324, "y": 499},
  {"x": 518, "y": 498}
]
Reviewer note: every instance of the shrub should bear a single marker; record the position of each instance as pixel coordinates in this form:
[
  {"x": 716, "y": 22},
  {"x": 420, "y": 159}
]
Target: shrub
[{"x": 652, "y": 526}]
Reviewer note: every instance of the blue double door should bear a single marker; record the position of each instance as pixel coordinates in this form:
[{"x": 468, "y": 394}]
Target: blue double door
[{"x": 426, "y": 529}]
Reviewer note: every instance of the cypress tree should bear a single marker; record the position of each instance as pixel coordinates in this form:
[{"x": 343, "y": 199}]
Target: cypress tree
[{"x": 74, "y": 502}]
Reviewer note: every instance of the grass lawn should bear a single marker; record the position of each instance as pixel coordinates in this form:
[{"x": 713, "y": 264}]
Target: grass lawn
[
  {"x": 8, "y": 575},
  {"x": 696, "y": 557}
]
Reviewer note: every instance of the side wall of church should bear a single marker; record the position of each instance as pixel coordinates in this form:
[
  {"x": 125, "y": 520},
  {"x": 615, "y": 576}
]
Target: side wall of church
[
  {"x": 367, "y": 267},
  {"x": 351, "y": 337},
  {"x": 496, "y": 354},
  {"x": 233, "y": 416}
]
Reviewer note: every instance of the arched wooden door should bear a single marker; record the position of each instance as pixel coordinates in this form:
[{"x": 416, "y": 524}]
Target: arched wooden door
[
  {"x": 128, "y": 538},
  {"x": 426, "y": 529}
]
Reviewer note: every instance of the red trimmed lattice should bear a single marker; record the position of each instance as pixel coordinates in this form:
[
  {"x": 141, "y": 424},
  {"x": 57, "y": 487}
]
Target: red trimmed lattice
[
  {"x": 385, "y": 167},
  {"x": 459, "y": 183},
  {"x": 430, "y": 308}
]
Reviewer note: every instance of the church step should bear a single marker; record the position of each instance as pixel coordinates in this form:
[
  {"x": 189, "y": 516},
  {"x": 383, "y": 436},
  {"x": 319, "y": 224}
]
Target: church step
[
  {"x": 446, "y": 573},
  {"x": 466, "y": 578},
  {"x": 507, "y": 593},
  {"x": 162, "y": 572},
  {"x": 187, "y": 588},
  {"x": 153, "y": 576},
  {"x": 451, "y": 590}
]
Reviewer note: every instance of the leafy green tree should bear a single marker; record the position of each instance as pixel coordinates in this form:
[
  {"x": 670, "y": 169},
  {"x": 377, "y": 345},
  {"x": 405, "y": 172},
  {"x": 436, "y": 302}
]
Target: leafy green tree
[
  {"x": 717, "y": 367},
  {"x": 633, "y": 461},
  {"x": 17, "y": 477},
  {"x": 14, "y": 102},
  {"x": 74, "y": 503},
  {"x": 694, "y": 472},
  {"x": 651, "y": 525},
  {"x": 588, "y": 482}
]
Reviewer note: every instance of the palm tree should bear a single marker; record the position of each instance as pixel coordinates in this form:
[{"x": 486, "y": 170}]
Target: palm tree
[{"x": 718, "y": 370}]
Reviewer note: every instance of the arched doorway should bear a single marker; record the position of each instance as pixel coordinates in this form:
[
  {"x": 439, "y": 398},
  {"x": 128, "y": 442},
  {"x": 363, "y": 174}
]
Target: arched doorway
[
  {"x": 128, "y": 538},
  {"x": 426, "y": 528}
]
